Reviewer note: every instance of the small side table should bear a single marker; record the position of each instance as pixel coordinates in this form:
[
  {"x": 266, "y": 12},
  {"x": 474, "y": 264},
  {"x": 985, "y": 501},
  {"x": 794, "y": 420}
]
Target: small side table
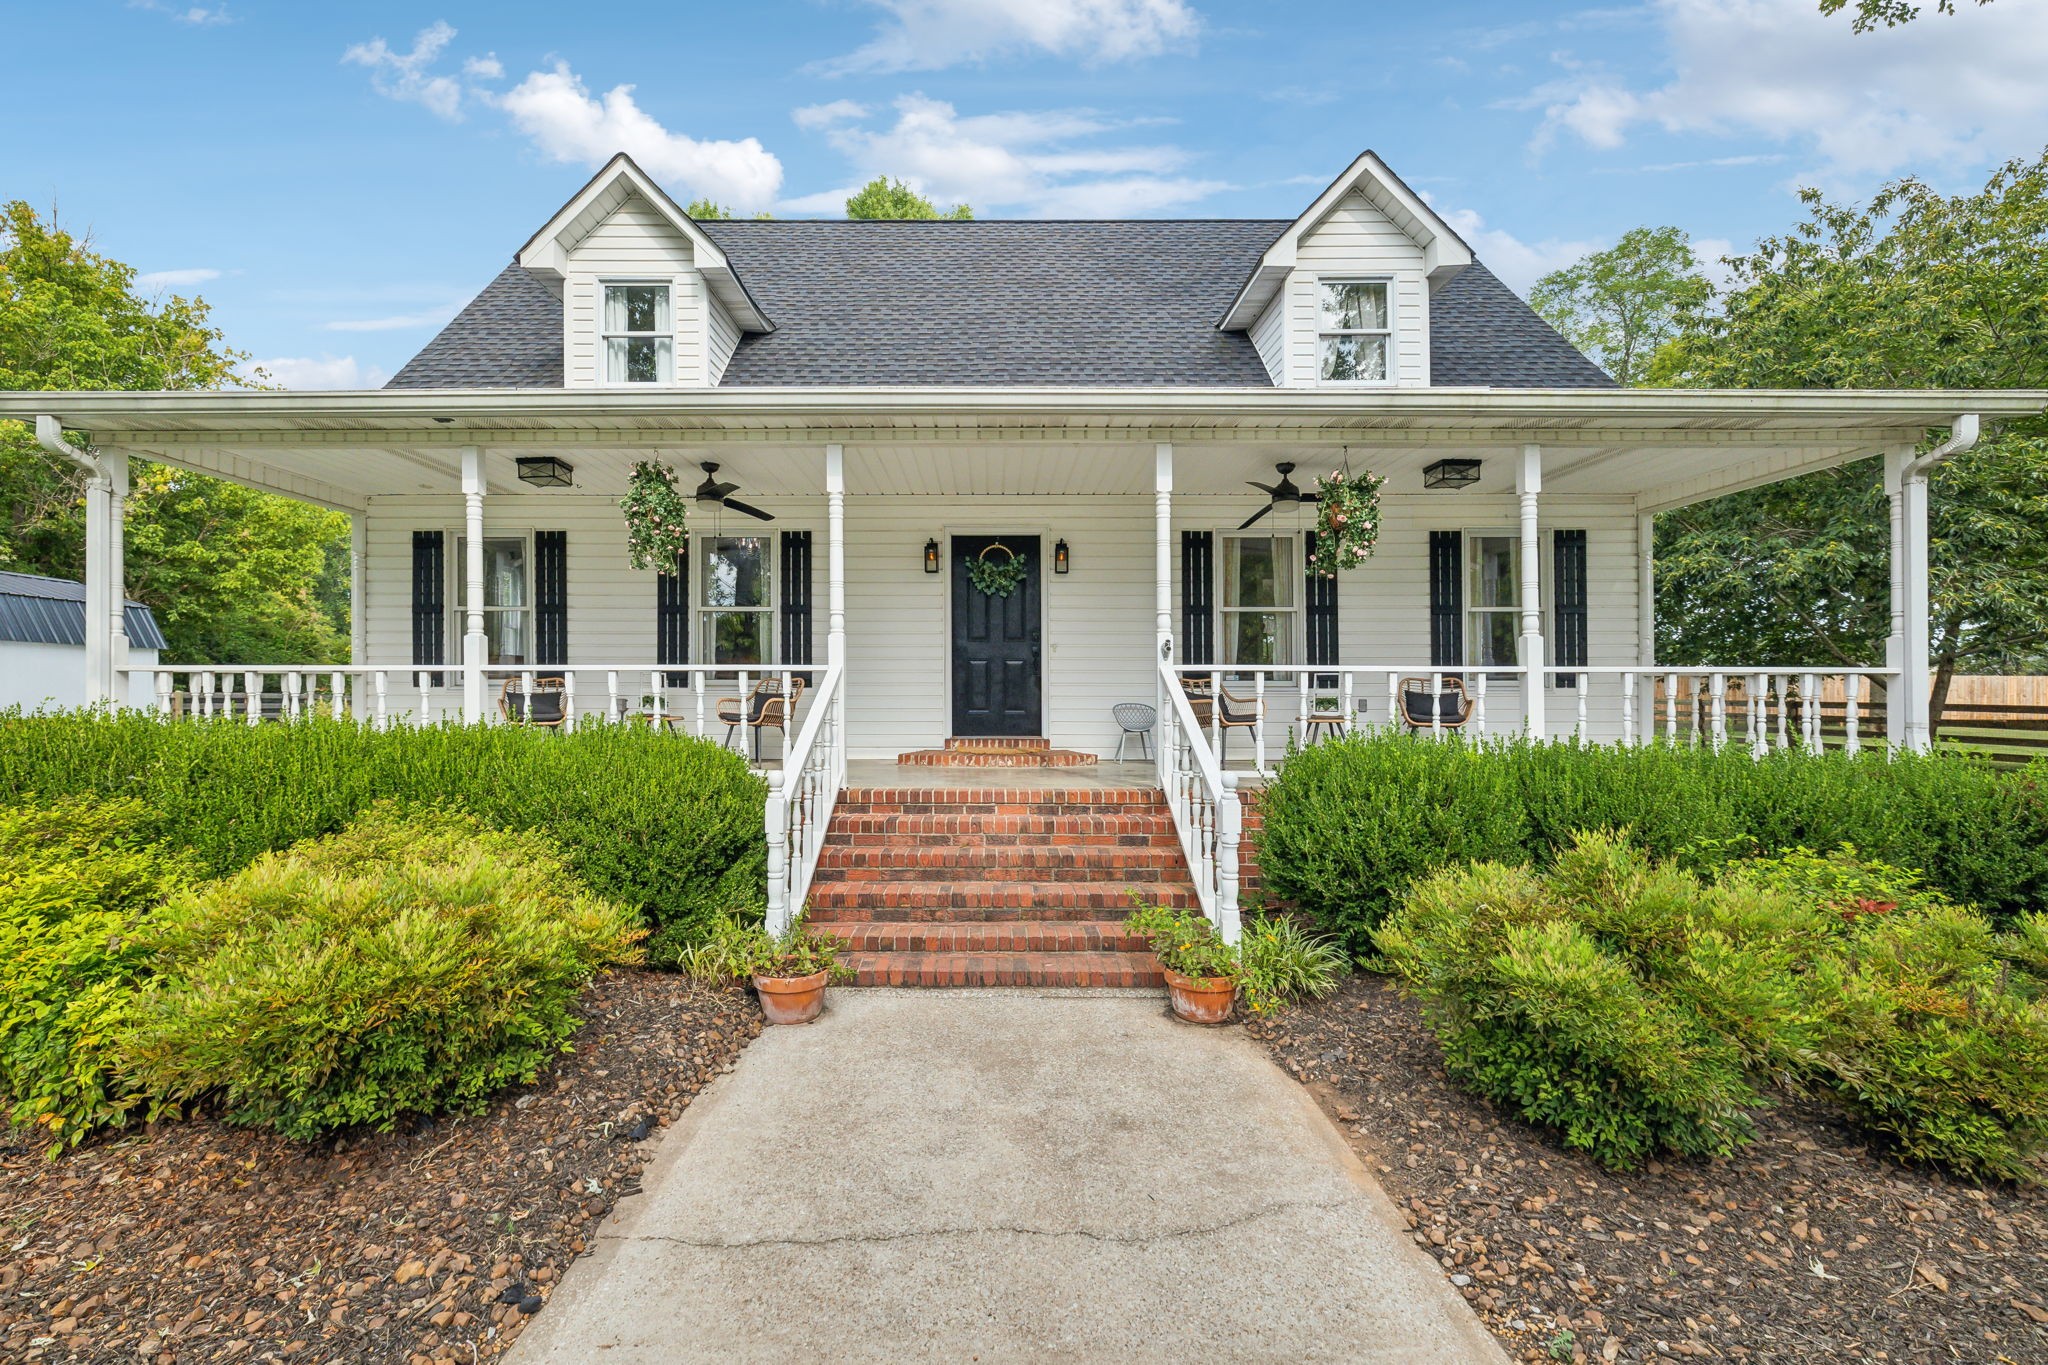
[{"x": 1320, "y": 723}]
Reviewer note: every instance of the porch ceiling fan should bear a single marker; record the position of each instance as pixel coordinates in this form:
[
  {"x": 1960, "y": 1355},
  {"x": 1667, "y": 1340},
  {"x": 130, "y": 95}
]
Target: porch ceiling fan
[
  {"x": 1281, "y": 493},
  {"x": 711, "y": 490}
]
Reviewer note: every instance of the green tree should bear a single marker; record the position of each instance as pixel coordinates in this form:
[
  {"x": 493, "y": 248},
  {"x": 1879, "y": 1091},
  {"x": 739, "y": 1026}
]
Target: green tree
[
  {"x": 886, "y": 198},
  {"x": 1621, "y": 304},
  {"x": 703, "y": 209},
  {"x": 1890, "y": 13},
  {"x": 1915, "y": 290},
  {"x": 232, "y": 574}
]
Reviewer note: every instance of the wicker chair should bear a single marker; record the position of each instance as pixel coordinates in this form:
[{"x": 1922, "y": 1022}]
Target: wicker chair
[
  {"x": 766, "y": 709},
  {"x": 1447, "y": 709},
  {"x": 1237, "y": 712},
  {"x": 543, "y": 706}
]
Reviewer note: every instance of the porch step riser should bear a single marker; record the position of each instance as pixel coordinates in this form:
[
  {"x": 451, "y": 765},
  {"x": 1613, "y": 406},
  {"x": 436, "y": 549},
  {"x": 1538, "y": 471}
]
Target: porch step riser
[
  {"x": 1004, "y": 969},
  {"x": 1022, "y": 936},
  {"x": 967, "y": 902},
  {"x": 862, "y": 830},
  {"x": 1059, "y": 862},
  {"x": 1008, "y": 805}
]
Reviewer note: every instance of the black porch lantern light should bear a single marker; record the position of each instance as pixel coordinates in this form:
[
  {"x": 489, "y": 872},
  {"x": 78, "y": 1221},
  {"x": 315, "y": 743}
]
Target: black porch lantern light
[
  {"x": 1451, "y": 474},
  {"x": 545, "y": 471},
  {"x": 1059, "y": 556},
  {"x": 931, "y": 556}
]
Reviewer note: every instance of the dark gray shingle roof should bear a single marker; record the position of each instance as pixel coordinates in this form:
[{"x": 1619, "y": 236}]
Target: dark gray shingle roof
[
  {"x": 51, "y": 611},
  {"x": 1123, "y": 303}
]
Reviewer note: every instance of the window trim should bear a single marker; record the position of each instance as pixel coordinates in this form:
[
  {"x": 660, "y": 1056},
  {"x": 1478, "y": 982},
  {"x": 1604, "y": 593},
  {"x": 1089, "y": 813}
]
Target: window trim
[
  {"x": 458, "y": 591},
  {"x": 1297, "y": 615},
  {"x": 604, "y": 336},
  {"x": 700, "y": 611},
  {"x": 1391, "y": 331}
]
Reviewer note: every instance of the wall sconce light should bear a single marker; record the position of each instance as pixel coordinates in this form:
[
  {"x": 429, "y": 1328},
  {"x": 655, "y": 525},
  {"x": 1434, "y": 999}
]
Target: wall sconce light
[
  {"x": 545, "y": 471},
  {"x": 1451, "y": 474},
  {"x": 1059, "y": 557},
  {"x": 931, "y": 556}
]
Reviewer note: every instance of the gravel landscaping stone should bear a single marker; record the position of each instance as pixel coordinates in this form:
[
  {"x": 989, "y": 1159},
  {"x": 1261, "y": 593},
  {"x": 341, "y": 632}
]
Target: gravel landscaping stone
[
  {"x": 1808, "y": 1245},
  {"x": 195, "y": 1242}
]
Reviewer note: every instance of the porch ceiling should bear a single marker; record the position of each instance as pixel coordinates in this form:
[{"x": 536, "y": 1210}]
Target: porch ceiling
[{"x": 1660, "y": 447}]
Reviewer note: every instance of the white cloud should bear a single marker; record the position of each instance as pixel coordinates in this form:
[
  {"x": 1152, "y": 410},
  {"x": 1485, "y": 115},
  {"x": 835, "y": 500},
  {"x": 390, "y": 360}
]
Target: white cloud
[
  {"x": 406, "y": 75},
  {"x": 324, "y": 372},
  {"x": 1038, "y": 163},
  {"x": 566, "y": 124},
  {"x": 1519, "y": 264},
  {"x": 176, "y": 279},
  {"x": 925, "y": 35},
  {"x": 816, "y": 116},
  {"x": 396, "y": 322},
  {"x": 1943, "y": 91},
  {"x": 484, "y": 68},
  {"x": 199, "y": 16}
]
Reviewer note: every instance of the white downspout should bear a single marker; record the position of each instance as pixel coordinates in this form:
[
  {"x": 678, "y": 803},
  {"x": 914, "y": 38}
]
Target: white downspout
[
  {"x": 1911, "y": 556},
  {"x": 106, "y": 635}
]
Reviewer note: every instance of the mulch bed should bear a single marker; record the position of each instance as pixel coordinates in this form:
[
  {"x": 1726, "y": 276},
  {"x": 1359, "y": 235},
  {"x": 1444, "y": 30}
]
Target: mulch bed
[
  {"x": 1808, "y": 1245},
  {"x": 193, "y": 1242}
]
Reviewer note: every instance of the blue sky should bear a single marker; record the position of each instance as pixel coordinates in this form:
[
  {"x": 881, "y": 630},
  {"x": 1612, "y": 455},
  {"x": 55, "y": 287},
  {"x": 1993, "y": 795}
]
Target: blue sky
[{"x": 337, "y": 179}]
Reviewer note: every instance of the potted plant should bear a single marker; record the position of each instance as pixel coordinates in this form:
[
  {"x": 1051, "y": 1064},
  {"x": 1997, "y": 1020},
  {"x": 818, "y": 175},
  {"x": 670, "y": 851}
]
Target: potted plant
[
  {"x": 788, "y": 971},
  {"x": 1325, "y": 703},
  {"x": 1201, "y": 969}
]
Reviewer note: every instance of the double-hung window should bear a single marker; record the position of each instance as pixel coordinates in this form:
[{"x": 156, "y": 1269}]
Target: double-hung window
[
  {"x": 1260, "y": 599},
  {"x": 508, "y": 597},
  {"x": 639, "y": 334},
  {"x": 1354, "y": 331},
  {"x": 1493, "y": 609},
  {"x": 735, "y": 600}
]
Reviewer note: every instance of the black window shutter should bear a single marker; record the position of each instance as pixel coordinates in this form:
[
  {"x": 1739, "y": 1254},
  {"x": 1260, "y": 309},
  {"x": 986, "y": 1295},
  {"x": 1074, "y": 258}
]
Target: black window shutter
[
  {"x": 796, "y": 599},
  {"x": 672, "y": 618},
  {"x": 1569, "y": 597},
  {"x": 1197, "y": 607},
  {"x": 1446, "y": 599},
  {"x": 1321, "y": 601},
  {"x": 551, "y": 598},
  {"x": 429, "y": 599}
]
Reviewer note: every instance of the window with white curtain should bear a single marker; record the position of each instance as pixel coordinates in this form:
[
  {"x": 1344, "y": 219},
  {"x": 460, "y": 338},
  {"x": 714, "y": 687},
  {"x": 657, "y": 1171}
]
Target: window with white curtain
[
  {"x": 1354, "y": 331},
  {"x": 508, "y": 597},
  {"x": 1260, "y": 599},
  {"x": 736, "y": 600},
  {"x": 639, "y": 334},
  {"x": 1493, "y": 597}
]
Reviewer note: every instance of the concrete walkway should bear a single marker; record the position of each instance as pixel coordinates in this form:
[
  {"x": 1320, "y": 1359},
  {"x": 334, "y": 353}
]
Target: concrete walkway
[{"x": 1004, "y": 1175}]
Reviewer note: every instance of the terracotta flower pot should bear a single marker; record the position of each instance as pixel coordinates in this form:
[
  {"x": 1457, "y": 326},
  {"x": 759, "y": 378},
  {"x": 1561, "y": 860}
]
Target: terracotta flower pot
[
  {"x": 1200, "y": 999},
  {"x": 791, "y": 999}
]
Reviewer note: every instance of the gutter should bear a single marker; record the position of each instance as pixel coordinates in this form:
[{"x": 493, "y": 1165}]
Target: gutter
[
  {"x": 1962, "y": 436},
  {"x": 50, "y": 435}
]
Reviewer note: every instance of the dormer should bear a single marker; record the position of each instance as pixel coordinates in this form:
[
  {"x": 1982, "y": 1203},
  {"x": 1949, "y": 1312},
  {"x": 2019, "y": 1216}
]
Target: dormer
[
  {"x": 647, "y": 298},
  {"x": 1341, "y": 299}
]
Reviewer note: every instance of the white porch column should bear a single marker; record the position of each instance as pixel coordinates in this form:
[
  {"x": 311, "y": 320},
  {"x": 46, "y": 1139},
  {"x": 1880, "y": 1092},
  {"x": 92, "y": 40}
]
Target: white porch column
[
  {"x": 474, "y": 647},
  {"x": 1162, "y": 515},
  {"x": 1895, "y": 461},
  {"x": 358, "y": 586},
  {"x": 835, "y": 556},
  {"x": 1646, "y": 589},
  {"x": 1529, "y": 485},
  {"x": 1910, "y": 560},
  {"x": 116, "y": 462},
  {"x": 101, "y": 594}
]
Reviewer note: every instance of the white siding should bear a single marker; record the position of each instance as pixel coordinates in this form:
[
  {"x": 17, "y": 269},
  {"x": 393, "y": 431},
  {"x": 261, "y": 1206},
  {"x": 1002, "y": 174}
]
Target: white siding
[
  {"x": 1098, "y": 619},
  {"x": 722, "y": 339},
  {"x": 1269, "y": 337},
  {"x": 40, "y": 677},
  {"x": 1358, "y": 241},
  {"x": 633, "y": 242}
]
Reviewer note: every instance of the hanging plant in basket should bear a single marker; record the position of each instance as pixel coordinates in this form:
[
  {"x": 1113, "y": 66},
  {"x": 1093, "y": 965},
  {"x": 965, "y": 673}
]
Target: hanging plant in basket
[
  {"x": 997, "y": 577},
  {"x": 1347, "y": 521},
  {"x": 657, "y": 517}
]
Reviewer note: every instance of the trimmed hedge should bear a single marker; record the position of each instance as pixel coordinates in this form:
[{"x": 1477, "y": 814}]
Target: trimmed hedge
[
  {"x": 1349, "y": 825},
  {"x": 663, "y": 823}
]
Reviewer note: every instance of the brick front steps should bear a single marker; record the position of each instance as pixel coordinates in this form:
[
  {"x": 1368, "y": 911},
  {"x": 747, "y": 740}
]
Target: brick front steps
[
  {"x": 980, "y": 887},
  {"x": 1006, "y": 752}
]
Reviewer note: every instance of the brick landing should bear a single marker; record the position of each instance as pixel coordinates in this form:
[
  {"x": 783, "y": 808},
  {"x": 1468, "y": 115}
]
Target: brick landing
[
  {"x": 1005, "y": 752},
  {"x": 973, "y": 886}
]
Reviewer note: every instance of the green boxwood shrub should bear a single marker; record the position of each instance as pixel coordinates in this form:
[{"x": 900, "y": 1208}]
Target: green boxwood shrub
[
  {"x": 669, "y": 825},
  {"x": 74, "y": 878},
  {"x": 409, "y": 964},
  {"x": 1348, "y": 825}
]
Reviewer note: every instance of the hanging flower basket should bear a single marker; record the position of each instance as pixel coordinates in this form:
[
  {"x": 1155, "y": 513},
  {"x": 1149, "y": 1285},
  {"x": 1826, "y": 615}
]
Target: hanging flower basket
[
  {"x": 997, "y": 577},
  {"x": 657, "y": 517},
  {"x": 1347, "y": 521}
]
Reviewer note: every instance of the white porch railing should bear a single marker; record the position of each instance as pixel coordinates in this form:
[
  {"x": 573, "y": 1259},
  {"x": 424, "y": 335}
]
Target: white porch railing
[
  {"x": 1205, "y": 805},
  {"x": 1763, "y": 709},
  {"x": 800, "y": 800}
]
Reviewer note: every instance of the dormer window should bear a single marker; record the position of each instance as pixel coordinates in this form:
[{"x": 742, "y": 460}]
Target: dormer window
[
  {"x": 639, "y": 335},
  {"x": 1354, "y": 335}
]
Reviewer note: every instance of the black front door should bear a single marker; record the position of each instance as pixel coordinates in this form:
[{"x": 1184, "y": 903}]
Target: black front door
[{"x": 995, "y": 642}]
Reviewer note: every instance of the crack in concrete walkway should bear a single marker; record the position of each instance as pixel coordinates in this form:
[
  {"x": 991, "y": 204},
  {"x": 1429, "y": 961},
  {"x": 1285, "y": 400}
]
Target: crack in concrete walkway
[{"x": 1004, "y": 1176}]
